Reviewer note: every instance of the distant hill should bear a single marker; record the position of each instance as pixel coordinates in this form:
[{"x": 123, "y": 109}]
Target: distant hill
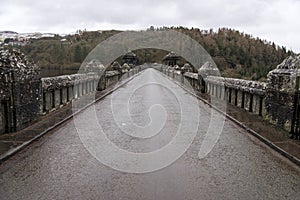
[
  {"x": 8, "y": 32},
  {"x": 236, "y": 54}
]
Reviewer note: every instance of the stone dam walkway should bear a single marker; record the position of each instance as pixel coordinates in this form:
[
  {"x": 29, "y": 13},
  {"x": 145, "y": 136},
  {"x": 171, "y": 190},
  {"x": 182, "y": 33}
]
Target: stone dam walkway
[{"x": 60, "y": 166}]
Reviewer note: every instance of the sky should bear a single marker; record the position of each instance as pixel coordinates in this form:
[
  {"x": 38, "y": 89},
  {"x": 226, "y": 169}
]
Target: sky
[{"x": 273, "y": 20}]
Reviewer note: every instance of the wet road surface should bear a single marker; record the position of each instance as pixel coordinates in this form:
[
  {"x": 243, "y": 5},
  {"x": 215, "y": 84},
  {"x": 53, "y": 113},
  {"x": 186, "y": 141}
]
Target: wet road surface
[{"x": 142, "y": 117}]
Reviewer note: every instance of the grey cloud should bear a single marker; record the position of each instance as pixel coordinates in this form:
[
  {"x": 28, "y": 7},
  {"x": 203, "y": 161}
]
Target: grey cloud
[{"x": 263, "y": 18}]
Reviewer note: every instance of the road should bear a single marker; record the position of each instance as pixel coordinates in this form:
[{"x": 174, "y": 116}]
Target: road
[{"x": 121, "y": 148}]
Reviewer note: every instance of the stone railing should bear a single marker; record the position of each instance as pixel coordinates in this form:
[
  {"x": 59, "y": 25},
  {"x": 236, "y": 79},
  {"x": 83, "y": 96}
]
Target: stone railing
[
  {"x": 192, "y": 78},
  {"x": 60, "y": 90},
  {"x": 245, "y": 94},
  {"x": 270, "y": 100}
]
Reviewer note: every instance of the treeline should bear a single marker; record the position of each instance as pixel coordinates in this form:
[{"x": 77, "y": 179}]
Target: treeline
[
  {"x": 237, "y": 54},
  {"x": 64, "y": 55}
]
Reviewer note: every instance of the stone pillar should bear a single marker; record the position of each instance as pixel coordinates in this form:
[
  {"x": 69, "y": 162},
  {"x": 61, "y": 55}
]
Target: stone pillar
[
  {"x": 5, "y": 102},
  {"x": 207, "y": 69},
  {"x": 96, "y": 67},
  {"x": 130, "y": 58},
  {"x": 282, "y": 85},
  {"x": 186, "y": 68},
  {"x": 24, "y": 88},
  {"x": 171, "y": 59}
]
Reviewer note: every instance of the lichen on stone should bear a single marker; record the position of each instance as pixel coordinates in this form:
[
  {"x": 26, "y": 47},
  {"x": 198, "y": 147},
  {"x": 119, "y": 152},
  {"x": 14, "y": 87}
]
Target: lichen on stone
[
  {"x": 208, "y": 69},
  {"x": 12, "y": 60}
]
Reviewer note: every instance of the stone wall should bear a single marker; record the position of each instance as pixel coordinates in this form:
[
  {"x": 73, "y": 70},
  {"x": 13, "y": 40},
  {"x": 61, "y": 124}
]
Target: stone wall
[
  {"x": 245, "y": 94},
  {"x": 282, "y": 94},
  {"x": 20, "y": 87},
  {"x": 61, "y": 90},
  {"x": 276, "y": 101}
]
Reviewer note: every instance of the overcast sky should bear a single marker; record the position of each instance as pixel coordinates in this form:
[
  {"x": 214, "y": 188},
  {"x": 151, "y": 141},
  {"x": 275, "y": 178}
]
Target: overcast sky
[{"x": 273, "y": 20}]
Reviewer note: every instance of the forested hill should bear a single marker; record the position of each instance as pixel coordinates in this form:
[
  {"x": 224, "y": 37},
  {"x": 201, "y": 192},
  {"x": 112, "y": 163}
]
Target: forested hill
[{"x": 236, "y": 54}]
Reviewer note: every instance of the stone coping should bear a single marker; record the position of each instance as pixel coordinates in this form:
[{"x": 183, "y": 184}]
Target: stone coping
[{"x": 53, "y": 83}]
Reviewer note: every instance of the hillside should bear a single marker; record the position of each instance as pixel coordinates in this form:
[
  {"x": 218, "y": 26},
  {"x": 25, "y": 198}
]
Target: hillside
[{"x": 237, "y": 54}]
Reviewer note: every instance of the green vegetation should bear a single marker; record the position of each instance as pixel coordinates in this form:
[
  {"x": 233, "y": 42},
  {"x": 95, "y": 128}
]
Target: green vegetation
[
  {"x": 63, "y": 55},
  {"x": 237, "y": 54}
]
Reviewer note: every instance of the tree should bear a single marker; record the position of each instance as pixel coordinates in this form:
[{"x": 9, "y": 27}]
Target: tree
[
  {"x": 77, "y": 54},
  {"x": 151, "y": 28}
]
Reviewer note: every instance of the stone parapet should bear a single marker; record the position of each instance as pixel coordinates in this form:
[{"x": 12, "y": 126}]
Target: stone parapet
[{"x": 253, "y": 87}]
